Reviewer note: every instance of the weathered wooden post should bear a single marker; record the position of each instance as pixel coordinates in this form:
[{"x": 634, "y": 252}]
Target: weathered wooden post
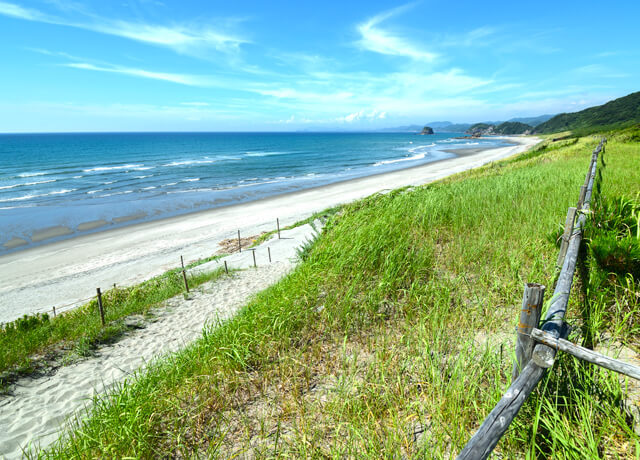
[
  {"x": 254, "y": 258},
  {"x": 585, "y": 354},
  {"x": 226, "y": 269},
  {"x": 568, "y": 229},
  {"x": 269, "y": 251},
  {"x": 239, "y": 244},
  {"x": 529, "y": 318},
  {"x": 54, "y": 312},
  {"x": 184, "y": 275},
  {"x": 278, "y": 224},
  {"x": 583, "y": 192},
  {"x": 100, "y": 306}
]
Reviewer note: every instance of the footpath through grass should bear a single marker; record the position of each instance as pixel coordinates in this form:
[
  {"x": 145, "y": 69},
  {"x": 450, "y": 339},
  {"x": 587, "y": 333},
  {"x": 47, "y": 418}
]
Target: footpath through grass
[
  {"x": 25, "y": 341},
  {"x": 394, "y": 337}
]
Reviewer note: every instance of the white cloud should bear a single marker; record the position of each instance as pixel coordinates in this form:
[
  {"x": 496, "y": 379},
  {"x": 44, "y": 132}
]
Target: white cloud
[
  {"x": 308, "y": 96},
  {"x": 378, "y": 40},
  {"x": 190, "y": 80},
  {"x": 16, "y": 11},
  {"x": 178, "y": 38},
  {"x": 187, "y": 39},
  {"x": 363, "y": 115}
]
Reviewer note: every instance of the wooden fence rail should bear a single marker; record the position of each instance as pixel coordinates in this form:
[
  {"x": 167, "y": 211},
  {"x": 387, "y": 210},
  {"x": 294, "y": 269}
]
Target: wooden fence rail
[{"x": 553, "y": 329}]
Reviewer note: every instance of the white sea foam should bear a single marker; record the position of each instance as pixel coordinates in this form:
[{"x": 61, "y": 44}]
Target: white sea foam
[
  {"x": 169, "y": 184},
  {"x": 148, "y": 188},
  {"x": 268, "y": 154},
  {"x": 26, "y": 184},
  {"x": 417, "y": 156},
  {"x": 112, "y": 168},
  {"x": 189, "y": 162},
  {"x": 116, "y": 193},
  {"x": 195, "y": 179},
  {"x": 19, "y": 198},
  {"x": 143, "y": 177},
  {"x": 32, "y": 174},
  {"x": 91, "y": 192},
  {"x": 107, "y": 183},
  {"x": 30, "y": 196}
]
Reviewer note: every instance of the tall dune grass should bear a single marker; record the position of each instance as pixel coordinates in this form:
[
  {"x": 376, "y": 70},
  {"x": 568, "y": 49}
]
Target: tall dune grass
[{"x": 392, "y": 339}]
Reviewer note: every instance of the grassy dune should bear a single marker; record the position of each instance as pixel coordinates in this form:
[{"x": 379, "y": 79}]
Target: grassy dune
[
  {"x": 25, "y": 342},
  {"x": 394, "y": 337}
]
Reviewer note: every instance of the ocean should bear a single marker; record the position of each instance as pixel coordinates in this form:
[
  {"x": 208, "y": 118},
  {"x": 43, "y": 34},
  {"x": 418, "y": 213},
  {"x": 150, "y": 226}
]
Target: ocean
[{"x": 55, "y": 186}]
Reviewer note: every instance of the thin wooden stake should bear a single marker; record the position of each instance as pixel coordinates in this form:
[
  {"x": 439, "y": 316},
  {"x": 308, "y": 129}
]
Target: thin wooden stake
[
  {"x": 568, "y": 229},
  {"x": 226, "y": 269},
  {"x": 278, "y": 224},
  {"x": 100, "y": 306},
  {"x": 254, "y": 258},
  {"x": 269, "y": 251},
  {"x": 184, "y": 277},
  {"x": 529, "y": 318},
  {"x": 586, "y": 354},
  {"x": 239, "y": 244},
  {"x": 54, "y": 312}
]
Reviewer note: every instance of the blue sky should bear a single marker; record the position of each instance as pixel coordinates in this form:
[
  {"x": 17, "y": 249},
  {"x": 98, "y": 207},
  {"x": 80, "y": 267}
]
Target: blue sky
[{"x": 147, "y": 65}]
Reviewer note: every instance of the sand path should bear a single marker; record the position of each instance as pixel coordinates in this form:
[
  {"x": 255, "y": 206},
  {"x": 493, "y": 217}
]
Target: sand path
[{"x": 36, "y": 410}]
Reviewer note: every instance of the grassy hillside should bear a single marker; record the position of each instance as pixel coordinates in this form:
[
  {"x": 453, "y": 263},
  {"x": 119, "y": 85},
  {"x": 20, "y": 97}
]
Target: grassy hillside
[
  {"x": 614, "y": 114},
  {"x": 394, "y": 335},
  {"x": 513, "y": 127}
]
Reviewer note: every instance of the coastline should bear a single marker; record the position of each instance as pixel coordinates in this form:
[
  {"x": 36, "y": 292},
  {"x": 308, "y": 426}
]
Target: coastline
[{"x": 62, "y": 273}]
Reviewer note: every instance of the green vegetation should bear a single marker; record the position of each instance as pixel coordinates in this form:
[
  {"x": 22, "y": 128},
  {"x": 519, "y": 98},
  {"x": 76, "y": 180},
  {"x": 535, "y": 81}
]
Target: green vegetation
[
  {"x": 513, "y": 127},
  {"x": 393, "y": 337},
  {"x": 506, "y": 128},
  {"x": 614, "y": 114},
  {"x": 26, "y": 341}
]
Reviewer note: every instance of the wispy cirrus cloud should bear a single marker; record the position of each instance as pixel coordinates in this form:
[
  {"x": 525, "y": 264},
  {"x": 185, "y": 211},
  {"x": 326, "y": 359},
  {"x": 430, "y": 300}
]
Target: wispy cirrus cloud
[
  {"x": 375, "y": 38},
  {"x": 19, "y": 12},
  {"x": 363, "y": 115},
  {"x": 182, "y": 79},
  {"x": 182, "y": 38}
]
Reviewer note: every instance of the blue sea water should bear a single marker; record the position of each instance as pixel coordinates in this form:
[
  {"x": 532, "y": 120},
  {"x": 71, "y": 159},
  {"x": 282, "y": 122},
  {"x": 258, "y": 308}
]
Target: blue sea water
[{"x": 49, "y": 180}]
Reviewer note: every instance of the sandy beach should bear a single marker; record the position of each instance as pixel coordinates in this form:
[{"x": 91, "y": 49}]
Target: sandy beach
[{"x": 64, "y": 273}]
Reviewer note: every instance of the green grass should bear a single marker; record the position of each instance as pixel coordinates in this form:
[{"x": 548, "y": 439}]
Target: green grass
[
  {"x": 393, "y": 337},
  {"x": 24, "y": 342}
]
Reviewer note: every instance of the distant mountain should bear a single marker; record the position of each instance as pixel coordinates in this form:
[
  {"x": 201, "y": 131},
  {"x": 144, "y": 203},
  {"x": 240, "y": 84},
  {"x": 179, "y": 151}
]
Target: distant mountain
[
  {"x": 452, "y": 128},
  {"x": 402, "y": 129},
  {"x": 449, "y": 127},
  {"x": 620, "y": 112},
  {"x": 513, "y": 127},
  {"x": 532, "y": 121},
  {"x": 505, "y": 128}
]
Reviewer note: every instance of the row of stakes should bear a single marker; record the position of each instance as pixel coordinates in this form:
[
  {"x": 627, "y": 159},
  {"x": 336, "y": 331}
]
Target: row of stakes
[{"x": 184, "y": 273}]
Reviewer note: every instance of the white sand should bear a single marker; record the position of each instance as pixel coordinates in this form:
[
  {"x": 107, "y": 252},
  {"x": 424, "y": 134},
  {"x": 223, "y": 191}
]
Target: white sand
[
  {"x": 36, "y": 410},
  {"x": 35, "y": 280}
]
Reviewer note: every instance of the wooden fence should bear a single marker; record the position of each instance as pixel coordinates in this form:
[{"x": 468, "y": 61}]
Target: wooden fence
[{"x": 536, "y": 347}]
